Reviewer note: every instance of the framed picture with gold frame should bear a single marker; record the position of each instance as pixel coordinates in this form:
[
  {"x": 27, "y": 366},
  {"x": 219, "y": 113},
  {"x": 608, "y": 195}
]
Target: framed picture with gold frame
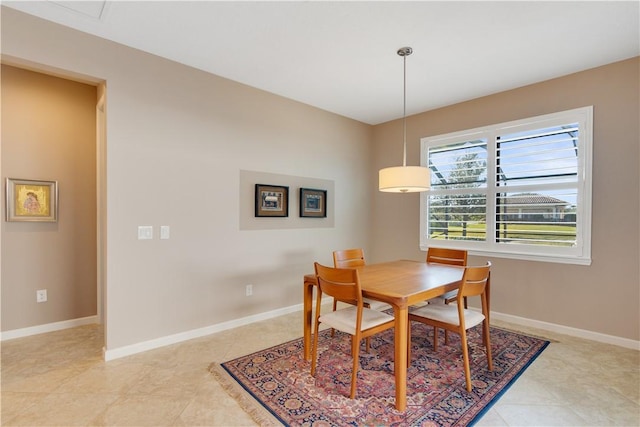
[
  {"x": 31, "y": 200},
  {"x": 272, "y": 200}
]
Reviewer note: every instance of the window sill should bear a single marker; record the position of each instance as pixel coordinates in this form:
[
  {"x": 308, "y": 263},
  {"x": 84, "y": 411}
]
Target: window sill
[{"x": 524, "y": 256}]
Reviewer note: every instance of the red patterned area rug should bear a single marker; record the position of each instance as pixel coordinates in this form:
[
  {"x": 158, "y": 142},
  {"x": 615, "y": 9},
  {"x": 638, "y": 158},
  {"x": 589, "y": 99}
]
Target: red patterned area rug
[{"x": 279, "y": 379}]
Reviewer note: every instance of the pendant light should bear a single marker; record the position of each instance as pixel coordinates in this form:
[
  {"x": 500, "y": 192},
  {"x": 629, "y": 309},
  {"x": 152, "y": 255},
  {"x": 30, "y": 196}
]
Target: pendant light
[{"x": 404, "y": 179}]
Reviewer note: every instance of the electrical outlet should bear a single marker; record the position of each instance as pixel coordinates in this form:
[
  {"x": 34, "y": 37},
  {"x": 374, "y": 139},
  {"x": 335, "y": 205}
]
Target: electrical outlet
[
  {"x": 41, "y": 295},
  {"x": 249, "y": 290}
]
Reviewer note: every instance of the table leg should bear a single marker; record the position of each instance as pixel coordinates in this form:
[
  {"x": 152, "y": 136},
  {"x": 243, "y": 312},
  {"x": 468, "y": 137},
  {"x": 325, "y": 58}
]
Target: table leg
[
  {"x": 401, "y": 325},
  {"x": 308, "y": 303}
]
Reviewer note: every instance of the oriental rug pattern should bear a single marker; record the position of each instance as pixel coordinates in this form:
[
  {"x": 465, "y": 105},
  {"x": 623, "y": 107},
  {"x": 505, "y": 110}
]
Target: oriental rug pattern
[{"x": 279, "y": 379}]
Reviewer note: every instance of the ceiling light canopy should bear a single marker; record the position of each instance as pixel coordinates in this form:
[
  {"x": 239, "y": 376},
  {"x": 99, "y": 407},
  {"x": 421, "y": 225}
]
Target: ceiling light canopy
[{"x": 404, "y": 179}]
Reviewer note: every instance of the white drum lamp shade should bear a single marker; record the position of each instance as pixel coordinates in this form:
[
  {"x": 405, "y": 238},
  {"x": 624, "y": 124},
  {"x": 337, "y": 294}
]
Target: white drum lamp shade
[{"x": 404, "y": 179}]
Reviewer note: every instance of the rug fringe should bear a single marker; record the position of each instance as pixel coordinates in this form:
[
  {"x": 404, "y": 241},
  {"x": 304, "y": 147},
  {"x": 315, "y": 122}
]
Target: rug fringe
[{"x": 248, "y": 403}]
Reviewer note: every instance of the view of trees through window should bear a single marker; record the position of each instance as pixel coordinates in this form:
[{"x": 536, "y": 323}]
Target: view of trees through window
[{"x": 456, "y": 211}]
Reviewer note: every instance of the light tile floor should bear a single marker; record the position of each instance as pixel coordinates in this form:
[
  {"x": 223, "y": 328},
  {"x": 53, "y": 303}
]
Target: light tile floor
[{"x": 60, "y": 379}]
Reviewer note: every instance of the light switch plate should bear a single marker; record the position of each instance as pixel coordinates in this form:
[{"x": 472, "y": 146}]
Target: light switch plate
[
  {"x": 145, "y": 232},
  {"x": 164, "y": 232}
]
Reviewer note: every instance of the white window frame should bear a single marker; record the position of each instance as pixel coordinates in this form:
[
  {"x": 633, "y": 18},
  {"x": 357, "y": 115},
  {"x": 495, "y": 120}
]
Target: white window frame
[{"x": 579, "y": 254}]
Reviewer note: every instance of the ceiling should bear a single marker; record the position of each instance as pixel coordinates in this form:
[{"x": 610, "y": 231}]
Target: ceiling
[{"x": 341, "y": 56}]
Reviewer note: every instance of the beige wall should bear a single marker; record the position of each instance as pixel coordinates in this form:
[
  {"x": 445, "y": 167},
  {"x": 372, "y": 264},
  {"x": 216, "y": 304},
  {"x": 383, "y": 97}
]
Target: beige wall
[
  {"x": 177, "y": 141},
  {"x": 603, "y": 297},
  {"x": 48, "y": 132}
]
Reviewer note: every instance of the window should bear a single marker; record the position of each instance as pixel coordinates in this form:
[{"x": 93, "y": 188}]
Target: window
[{"x": 516, "y": 190}]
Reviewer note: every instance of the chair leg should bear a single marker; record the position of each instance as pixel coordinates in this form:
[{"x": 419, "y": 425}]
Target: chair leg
[
  {"x": 335, "y": 307},
  {"x": 314, "y": 351},
  {"x": 465, "y": 357},
  {"x": 367, "y": 344},
  {"x": 367, "y": 339},
  {"x": 435, "y": 338},
  {"x": 446, "y": 332},
  {"x": 487, "y": 341},
  {"x": 355, "y": 347}
]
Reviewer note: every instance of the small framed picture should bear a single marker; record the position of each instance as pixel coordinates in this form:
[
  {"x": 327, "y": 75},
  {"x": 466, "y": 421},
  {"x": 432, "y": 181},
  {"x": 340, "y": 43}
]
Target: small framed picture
[
  {"x": 313, "y": 203},
  {"x": 31, "y": 200},
  {"x": 272, "y": 200}
]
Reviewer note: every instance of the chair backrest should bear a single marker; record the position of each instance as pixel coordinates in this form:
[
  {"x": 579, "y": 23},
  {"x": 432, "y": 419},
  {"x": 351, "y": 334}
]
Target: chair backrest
[
  {"x": 348, "y": 258},
  {"x": 340, "y": 283},
  {"x": 447, "y": 256},
  {"x": 474, "y": 281}
]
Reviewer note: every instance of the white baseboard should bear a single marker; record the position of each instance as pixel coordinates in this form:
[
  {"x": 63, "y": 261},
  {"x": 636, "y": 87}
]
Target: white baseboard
[
  {"x": 197, "y": 333},
  {"x": 49, "y": 327},
  {"x": 567, "y": 330},
  {"x": 173, "y": 339}
]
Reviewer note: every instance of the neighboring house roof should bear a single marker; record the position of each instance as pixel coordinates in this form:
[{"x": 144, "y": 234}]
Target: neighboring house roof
[{"x": 533, "y": 199}]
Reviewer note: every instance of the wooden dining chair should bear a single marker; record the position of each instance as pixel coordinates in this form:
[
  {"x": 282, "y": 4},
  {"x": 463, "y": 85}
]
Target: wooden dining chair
[
  {"x": 450, "y": 257},
  {"x": 457, "y": 319},
  {"x": 354, "y": 258},
  {"x": 347, "y": 258},
  {"x": 356, "y": 320}
]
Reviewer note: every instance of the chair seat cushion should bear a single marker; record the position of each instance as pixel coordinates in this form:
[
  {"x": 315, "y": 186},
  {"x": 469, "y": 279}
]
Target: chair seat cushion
[
  {"x": 449, "y": 295},
  {"x": 448, "y": 313},
  {"x": 376, "y": 305},
  {"x": 345, "y": 320},
  {"x": 444, "y": 297}
]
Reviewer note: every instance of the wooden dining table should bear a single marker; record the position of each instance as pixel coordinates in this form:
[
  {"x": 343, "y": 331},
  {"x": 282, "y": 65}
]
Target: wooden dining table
[{"x": 400, "y": 284}]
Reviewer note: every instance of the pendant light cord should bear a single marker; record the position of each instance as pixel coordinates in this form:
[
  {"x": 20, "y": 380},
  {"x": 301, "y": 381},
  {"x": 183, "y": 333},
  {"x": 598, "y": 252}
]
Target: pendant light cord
[{"x": 404, "y": 113}]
